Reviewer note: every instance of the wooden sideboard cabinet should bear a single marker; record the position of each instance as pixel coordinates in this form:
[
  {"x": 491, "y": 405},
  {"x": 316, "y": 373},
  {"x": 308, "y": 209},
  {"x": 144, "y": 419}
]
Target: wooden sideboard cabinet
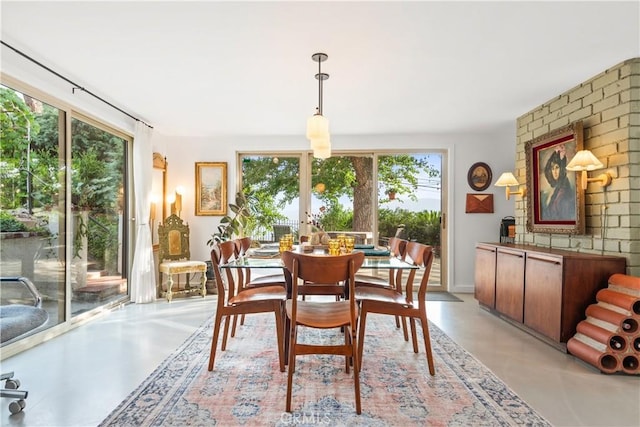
[
  {"x": 510, "y": 283},
  {"x": 544, "y": 291},
  {"x": 485, "y": 276}
]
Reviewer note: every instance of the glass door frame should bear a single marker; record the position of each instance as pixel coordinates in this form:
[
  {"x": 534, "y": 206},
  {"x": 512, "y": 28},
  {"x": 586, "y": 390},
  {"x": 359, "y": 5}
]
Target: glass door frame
[
  {"x": 65, "y": 138},
  {"x": 306, "y": 161}
]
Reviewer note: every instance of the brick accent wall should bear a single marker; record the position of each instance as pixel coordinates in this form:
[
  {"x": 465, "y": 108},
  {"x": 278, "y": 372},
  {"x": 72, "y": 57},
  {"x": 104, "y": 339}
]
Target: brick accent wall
[{"x": 609, "y": 106}]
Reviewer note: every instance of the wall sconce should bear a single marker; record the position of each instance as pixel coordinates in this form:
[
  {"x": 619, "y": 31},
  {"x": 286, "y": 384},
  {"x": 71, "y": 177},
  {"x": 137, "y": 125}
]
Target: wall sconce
[
  {"x": 507, "y": 180},
  {"x": 178, "y": 202},
  {"x": 171, "y": 201},
  {"x": 153, "y": 209},
  {"x": 585, "y": 161}
]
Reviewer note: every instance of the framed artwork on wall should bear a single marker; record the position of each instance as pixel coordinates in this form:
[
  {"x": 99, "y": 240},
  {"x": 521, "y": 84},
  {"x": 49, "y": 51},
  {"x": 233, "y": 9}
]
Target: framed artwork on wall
[
  {"x": 211, "y": 188},
  {"x": 479, "y": 176},
  {"x": 555, "y": 203}
]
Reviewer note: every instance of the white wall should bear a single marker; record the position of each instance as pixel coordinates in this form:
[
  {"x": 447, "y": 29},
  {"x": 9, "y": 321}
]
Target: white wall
[{"x": 496, "y": 148}]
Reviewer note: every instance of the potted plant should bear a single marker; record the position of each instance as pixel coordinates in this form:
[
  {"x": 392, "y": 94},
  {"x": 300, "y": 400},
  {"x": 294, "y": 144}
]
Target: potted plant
[
  {"x": 392, "y": 193},
  {"x": 237, "y": 224}
]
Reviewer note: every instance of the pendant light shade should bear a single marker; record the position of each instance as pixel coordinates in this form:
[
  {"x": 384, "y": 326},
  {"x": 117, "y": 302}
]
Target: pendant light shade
[
  {"x": 321, "y": 148},
  {"x": 318, "y": 125},
  {"x": 320, "y": 143},
  {"x": 322, "y": 152}
]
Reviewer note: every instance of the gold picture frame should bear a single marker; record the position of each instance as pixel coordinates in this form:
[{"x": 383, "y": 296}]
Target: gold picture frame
[
  {"x": 555, "y": 200},
  {"x": 158, "y": 211},
  {"x": 211, "y": 188}
]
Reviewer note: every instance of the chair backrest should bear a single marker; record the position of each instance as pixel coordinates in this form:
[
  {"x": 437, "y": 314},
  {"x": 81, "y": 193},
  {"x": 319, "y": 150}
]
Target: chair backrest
[
  {"x": 244, "y": 244},
  {"x": 173, "y": 239},
  {"x": 422, "y": 256},
  {"x": 280, "y": 230},
  {"x": 397, "y": 247},
  {"x": 223, "y": 253},
  {"x": 323, "y": 269}
]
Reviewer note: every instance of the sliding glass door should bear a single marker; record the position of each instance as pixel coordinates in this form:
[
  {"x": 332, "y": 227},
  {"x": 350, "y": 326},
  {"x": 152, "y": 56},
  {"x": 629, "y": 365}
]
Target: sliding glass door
[
  {"x": 371, "y": 195},
  {"x": 32, "y": 202},
  {"x": 98, "y": 261},
  {"x": 271, "y": 184},
  {"x": 63, "y": 209},
  {"x": 410, "y": 203},
  {"x": 342, "y": 193}
]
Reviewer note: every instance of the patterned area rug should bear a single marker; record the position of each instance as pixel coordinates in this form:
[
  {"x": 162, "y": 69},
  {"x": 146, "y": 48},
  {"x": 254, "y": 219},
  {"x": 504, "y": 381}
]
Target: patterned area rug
[{"x": 247, "y": 388}]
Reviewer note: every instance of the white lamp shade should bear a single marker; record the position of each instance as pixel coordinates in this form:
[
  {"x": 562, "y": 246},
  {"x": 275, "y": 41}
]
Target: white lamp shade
[
  {"x": 320, "y": 143},
  {"x": 584, "y": 160},
  {"x": 506, "y": 180},
  {"x": 322, "y": 152},
  {"x": 317, "y": 127}
]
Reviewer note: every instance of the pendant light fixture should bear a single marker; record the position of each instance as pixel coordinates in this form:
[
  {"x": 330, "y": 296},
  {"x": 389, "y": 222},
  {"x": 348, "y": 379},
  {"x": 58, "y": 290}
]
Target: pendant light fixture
[{"x": 318, "y": 125}]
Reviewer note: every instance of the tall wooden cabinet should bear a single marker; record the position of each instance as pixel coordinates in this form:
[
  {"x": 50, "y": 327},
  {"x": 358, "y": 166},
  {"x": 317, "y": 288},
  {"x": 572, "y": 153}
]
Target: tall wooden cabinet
[{"x": 545, "y": 291}]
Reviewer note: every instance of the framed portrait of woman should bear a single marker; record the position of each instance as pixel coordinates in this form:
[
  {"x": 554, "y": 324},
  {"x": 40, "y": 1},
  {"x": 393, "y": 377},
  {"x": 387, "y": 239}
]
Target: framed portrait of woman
[{"x": 555, "y": 201}]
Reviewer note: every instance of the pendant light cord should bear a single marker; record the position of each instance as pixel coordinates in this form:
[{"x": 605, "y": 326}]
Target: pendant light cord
[{"x": 320, "y": 86}]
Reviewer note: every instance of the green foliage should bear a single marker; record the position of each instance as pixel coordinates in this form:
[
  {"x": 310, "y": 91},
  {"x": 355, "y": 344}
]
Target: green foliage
[
  {"x": 271, "y": 184},
  {"x": 423, "y": 227},
  {"x": 8, "y": 222},
  {"x": 275, "y": 183},
  {"x": 32, "y": 154},
  {"x": 17, "y": 124},
  {"x": 102, "y": 233},
  {"x": 92, "y": 182},
  {"x": 239, "y": 223},
  {"x": 17, "y": 127},
  {"x": 335, "y": 217}
]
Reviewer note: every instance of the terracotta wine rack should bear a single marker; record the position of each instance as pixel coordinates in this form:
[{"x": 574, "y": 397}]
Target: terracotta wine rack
[{"x": 609, "y": 338}]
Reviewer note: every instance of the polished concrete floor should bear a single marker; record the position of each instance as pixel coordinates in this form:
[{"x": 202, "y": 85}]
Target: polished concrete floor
[{"x": 79, "y": 378}]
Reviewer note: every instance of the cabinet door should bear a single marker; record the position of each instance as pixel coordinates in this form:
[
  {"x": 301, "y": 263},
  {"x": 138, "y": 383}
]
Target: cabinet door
[
  {"x": 543, "y": 294},
  {"x": 510, "y": 283},
  {"x": 485, "y": 275}
]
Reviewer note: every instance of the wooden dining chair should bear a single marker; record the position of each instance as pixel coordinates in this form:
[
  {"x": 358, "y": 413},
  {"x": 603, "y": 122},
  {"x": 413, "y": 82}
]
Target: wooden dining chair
[
  {"x": 245, "y": 281},
  {"x": 398, "y": 249},
  {"x": 263, "y": 299},
  {"x": 323, "y": 314},
  {"x": 243, "y": 245},
  {"x": 396, "y": 302}
]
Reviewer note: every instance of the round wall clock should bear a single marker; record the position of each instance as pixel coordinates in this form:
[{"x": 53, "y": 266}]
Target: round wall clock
[{"x": 479, "y": 176}]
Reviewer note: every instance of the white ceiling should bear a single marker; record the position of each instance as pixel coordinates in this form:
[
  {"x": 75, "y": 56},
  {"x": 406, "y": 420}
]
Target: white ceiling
[{"x": 217, "y": 68}]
